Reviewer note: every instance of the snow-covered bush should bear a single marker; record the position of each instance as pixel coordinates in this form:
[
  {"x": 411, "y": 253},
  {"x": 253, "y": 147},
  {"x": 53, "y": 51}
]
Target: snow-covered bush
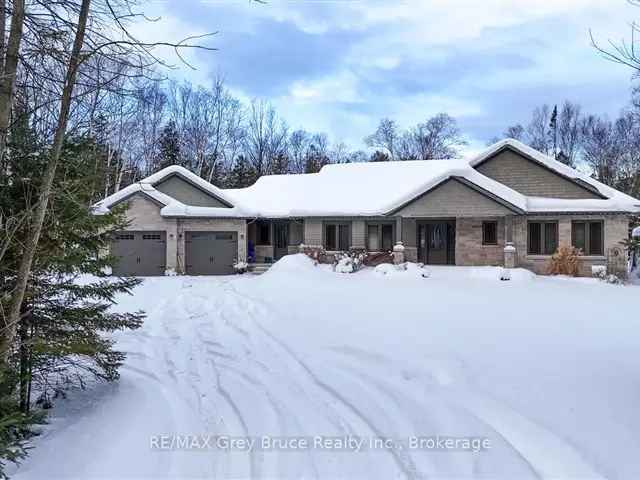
[
  {"x": 241, "y": 267},
  {"x": 348, "y": 262},
  {"x": 599, "y": 271},
  {"x": 613, "y": 279},
  {"x": 565, "y": 261}
]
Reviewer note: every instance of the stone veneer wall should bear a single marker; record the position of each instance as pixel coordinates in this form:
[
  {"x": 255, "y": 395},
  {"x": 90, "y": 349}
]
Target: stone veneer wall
[
  {"x": 616, "y": 229},
  {"x": 469, "y": 248}
]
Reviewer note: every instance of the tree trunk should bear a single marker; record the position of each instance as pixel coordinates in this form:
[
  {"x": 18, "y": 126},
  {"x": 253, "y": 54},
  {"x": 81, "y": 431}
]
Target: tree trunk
[
  {"x": 31, "y": 243},
  {"x": 8, "y": 79},
  {"x": 24, "y": 364}
]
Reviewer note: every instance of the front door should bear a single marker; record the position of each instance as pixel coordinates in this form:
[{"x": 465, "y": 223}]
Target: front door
[
  {"x": 281, "y": 237},
  {"x": 436, "y": 243}
]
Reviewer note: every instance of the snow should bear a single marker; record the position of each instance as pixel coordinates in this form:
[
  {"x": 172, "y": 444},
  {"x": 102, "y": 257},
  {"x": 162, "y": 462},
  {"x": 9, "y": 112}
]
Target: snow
[
  {"x": 545, "y": 369},
  {"x": 369, "y": 189},
  {"x": 636, "y": 232}
]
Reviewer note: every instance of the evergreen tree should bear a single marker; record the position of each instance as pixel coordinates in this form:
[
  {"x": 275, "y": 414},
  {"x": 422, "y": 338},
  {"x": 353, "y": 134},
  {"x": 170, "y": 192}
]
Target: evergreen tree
[
  {"x": 379, "y": 156},
  {"x": 61, "y": 340},
  {"x": 242, "y": 174},
  {"x": 553, "y": 130},
  {"x": 169, "y": 143}
]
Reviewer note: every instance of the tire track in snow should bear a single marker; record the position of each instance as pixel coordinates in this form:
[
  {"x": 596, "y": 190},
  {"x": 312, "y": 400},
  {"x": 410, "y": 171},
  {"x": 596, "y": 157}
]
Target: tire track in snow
[{"x": 404, "y": 462}]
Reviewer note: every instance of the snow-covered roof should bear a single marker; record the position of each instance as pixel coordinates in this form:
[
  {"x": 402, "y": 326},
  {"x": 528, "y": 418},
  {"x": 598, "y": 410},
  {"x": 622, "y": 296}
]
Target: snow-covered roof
[
  {"x": 360, "y": 189},
  {"x": 370, "y": 189},
  {"x": 170, "y": 206}
]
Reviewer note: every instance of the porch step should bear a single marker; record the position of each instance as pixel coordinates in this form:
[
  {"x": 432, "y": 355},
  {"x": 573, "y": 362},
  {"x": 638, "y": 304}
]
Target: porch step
[{"x": 259, "y": 268}]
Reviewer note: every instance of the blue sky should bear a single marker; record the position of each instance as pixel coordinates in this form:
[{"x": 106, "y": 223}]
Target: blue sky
[{"x": 339, "y": 66}]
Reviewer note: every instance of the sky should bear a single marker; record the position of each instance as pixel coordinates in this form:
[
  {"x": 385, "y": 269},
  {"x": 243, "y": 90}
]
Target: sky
[{"x": 339, "y": 66}]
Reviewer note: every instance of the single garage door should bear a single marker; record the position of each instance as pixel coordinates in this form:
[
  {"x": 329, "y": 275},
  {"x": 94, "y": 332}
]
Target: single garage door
[
  {"x": 210, "y": 253},
  {"x": 140, "y": 253}
]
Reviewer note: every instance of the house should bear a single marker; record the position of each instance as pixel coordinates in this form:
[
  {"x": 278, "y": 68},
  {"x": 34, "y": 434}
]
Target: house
[{"x": 510, "y": 205}]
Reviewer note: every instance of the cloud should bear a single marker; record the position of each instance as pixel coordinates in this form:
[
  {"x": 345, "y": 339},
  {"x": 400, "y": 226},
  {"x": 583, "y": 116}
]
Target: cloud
[{"x": 339, "y": 66}]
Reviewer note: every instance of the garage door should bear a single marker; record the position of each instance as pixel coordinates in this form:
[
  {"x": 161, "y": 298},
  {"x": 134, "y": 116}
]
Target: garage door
[
  {"x": 140, "y": 253},
  {"x": 210, "y": 253}
]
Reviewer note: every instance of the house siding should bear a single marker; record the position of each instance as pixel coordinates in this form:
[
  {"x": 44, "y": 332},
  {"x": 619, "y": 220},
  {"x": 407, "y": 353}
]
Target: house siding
[
  {"x": 183, "y": 191},
  {"x": 453, "y": 199},
  {"x": 529, "y": 178}
]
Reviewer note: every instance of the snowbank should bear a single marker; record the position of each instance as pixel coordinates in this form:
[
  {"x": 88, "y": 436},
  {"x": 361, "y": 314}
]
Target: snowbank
[{"x": 298, "y": 263}]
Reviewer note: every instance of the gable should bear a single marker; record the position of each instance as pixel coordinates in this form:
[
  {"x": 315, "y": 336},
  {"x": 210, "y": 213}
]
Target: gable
[
  {"x": 453, "y": 198},
  {"x": 187, "y": 193},
  {"x": 142, "y": 211},
  {"x": 532, "y": 179}
]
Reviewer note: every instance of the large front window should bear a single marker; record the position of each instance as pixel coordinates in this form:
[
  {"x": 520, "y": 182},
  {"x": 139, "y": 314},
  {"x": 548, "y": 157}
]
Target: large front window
[
  {"x": 337, "y": 236},
  {"x": 379, "y": 237},
  {"x": 588, "y": 236},
  {"x": 542, "y": 238}
]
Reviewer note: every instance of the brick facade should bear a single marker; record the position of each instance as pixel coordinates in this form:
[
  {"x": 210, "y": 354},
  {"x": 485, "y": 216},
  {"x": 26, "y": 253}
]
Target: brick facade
[
  {"x": 469, "y": 248},
  {"x": 616, "y": 229}
]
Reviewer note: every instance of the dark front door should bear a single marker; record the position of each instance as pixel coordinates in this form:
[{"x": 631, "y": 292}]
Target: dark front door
[
  {"x": 139, "y": 253},
  {"x": 436, "y": 242},
  {"x": 281, "y": 239},
  {"x": 210, "y": 253}
]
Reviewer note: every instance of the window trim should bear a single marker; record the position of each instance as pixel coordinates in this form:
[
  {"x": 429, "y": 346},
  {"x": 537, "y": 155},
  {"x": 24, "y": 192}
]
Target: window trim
[
  {"x": 378, "y": 225},
  {"x": 542, "y": 224},
  {"x": 484, "y": 237},
  {"x": 337, "y": 224},
  {"x": 587, "y": 236}
]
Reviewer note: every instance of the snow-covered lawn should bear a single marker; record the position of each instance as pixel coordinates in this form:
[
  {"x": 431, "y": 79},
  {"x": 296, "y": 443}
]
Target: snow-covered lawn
[{"x": 546, "y": 370}]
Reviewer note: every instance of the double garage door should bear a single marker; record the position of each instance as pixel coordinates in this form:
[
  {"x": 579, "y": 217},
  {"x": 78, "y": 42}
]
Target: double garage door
[
  {"x": 145, "y": 253},
  {"x": 210, "y": 253}
]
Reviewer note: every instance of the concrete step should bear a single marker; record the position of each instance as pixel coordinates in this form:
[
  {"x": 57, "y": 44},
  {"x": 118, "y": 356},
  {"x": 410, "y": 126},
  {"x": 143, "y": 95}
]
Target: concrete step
[{"x": 259, "y": 268}]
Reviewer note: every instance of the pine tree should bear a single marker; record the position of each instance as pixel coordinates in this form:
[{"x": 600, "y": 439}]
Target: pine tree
[
  {"x": 169, "y": 143},
  {"x": 61, "y": 339},
  {"x": 242, "y": 174},
  {"x": 553, "y": 130},
  {"x": 379, "y": 156}
]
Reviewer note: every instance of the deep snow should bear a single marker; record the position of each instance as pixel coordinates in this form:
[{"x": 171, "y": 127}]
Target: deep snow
[{"x": 547, "y": 369}]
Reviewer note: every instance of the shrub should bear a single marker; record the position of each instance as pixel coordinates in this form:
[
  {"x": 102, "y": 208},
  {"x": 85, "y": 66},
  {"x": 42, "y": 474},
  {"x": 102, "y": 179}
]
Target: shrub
[
  {"x": 565, "y": 261},
  {"x": 349, "y": 262}
]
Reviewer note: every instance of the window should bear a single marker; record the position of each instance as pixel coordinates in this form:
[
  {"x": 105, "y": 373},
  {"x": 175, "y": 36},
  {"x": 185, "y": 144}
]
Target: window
[
  {"x": 588, "y": 237},
  {"x": 264, "y": 233},
  {"x": 380, "y": 237},
  {"x": 124, "y": 236},
  {"x": 224, "y": 236},
  {"x": 149, "y": 236},
  {"x": 337, "y": 236},
  {"x": 373, "y": 239},
  {"x": 489, "y": 233},
  {"x": 542, "y": 238}
]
